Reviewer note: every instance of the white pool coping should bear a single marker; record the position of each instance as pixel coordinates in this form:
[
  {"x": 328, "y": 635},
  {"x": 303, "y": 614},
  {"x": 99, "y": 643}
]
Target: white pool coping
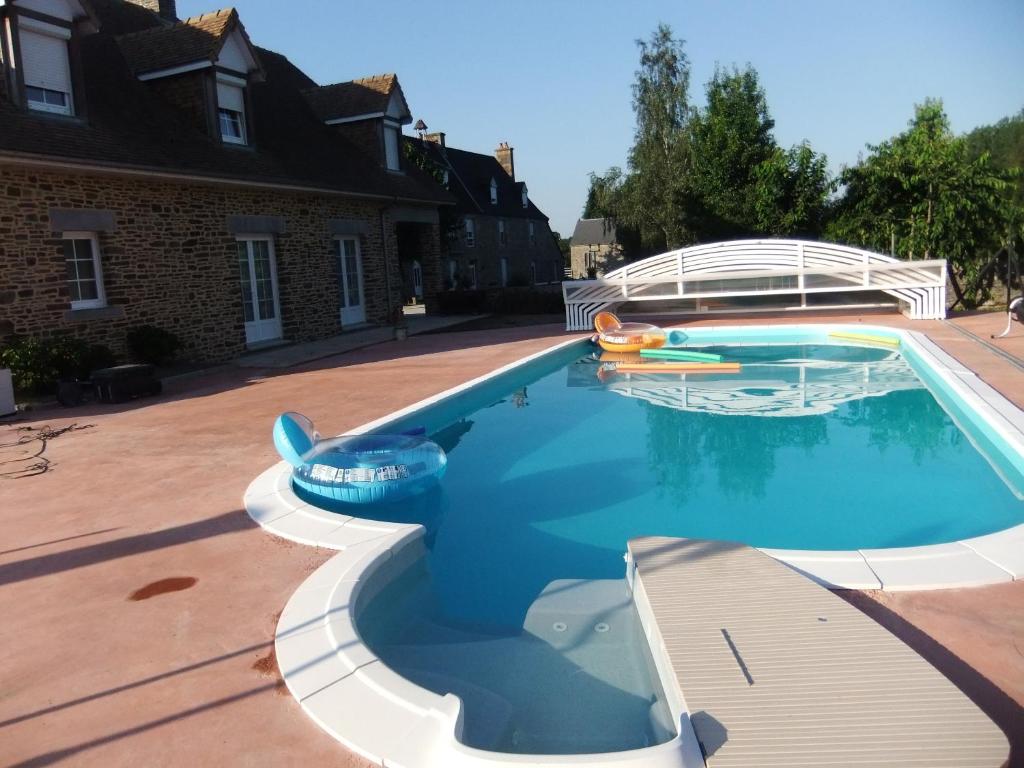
[{"x": 375, "y": 712}]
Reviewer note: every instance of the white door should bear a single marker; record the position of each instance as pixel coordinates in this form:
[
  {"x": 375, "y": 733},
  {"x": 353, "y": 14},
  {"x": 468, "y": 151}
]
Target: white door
[
  {"x": 353, "y": 310},
  {"x": 260, "y": 302}
]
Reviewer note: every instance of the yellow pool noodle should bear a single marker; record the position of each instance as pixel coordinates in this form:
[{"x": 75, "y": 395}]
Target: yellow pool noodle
[{"x": 866, "y": 337}]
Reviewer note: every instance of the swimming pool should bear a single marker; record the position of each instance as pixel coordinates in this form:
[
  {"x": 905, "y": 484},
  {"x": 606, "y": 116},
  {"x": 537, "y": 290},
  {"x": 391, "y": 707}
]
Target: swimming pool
[{"x": 554, "y": 466}]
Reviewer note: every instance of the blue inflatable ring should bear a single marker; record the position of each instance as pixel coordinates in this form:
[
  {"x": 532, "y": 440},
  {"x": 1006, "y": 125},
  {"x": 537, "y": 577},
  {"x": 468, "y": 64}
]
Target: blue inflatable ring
[{"x": 357, "y": 469}]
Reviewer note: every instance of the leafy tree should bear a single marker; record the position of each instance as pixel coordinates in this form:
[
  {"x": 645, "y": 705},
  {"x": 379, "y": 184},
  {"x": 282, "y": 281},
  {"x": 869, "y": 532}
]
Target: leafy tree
[
  {"x": 791, "y": 193},
  {"x": 604, "y": 195},
  {"x": 1004, "y": 142},
  {"x": 700, "y": 175},
  {"x": 730, "y": 140},
  {"x": 919, "y": 195},
  {"x": 652, "y": 194}
]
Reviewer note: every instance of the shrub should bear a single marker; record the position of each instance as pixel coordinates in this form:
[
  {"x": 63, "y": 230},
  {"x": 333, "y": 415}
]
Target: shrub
[
  {"x": 37, "y": 364},
  {"x": 527, "y": 301},
  {"x": 461, "y": 302},
  {"x": 149, "y": 344},
  {"x": 506, "y": 301}
]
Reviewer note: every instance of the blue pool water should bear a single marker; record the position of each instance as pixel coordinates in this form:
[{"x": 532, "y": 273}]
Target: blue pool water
[{"x": 554, "y": 466}]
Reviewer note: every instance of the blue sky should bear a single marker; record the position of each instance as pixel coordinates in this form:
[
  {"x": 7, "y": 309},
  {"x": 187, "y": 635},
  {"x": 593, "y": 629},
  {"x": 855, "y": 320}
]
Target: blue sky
[{"x": 553, "y": 78}]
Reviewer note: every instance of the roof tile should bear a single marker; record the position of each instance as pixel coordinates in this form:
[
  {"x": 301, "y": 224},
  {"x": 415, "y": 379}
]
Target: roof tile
[
  {"x": 365, "y": 96},
  {"x": 199, "y": 38}
]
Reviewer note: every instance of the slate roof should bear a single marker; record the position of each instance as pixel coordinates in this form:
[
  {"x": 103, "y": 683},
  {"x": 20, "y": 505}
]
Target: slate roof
[
  {"x": 129, "y": 126},
  {"x": 365, "y": 96},
  {"x": 469, "y": 181},
  {"x": 594, "y": 232},
  {"x": 199, "y": 38}
]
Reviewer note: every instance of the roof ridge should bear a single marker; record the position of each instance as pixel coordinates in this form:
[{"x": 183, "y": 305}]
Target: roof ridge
[
  {"x": 360, "y": 80},
  {"x": 373, "y": 78},
  {"x": 190, "y": 21}
]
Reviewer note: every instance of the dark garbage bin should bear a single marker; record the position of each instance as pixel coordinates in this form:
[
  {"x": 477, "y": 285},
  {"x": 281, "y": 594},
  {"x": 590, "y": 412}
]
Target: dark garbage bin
[{"x": 125, "y": 382}]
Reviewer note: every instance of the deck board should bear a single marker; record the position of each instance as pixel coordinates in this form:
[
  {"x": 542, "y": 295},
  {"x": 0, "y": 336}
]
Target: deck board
[{"x": 778, "y": 671}]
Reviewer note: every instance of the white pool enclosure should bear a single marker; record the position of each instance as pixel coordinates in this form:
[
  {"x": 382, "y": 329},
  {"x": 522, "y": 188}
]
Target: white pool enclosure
[{"x": 759, "y": 268}]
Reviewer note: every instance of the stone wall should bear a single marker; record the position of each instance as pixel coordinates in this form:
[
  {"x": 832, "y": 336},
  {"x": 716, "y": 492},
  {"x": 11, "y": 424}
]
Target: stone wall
[
  {"x": 170, "y": 260},
  {"x": 488, "y": 252},
  {"x": 609, "y": 257}
]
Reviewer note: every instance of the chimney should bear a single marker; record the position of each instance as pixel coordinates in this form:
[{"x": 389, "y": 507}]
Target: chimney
[
  {"x": 437, "y": 138},
  {"x": 504, "y": 155},
  {"x": 165, "y": 9}
]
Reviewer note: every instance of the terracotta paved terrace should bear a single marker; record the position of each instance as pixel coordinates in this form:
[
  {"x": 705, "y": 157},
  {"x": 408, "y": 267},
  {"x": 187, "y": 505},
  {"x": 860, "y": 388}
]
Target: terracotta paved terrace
[{"x": 139, "y": 601}]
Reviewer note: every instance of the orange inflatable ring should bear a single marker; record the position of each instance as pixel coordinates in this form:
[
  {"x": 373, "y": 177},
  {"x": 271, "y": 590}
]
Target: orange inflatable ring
[{"x": 616, "y": 336}]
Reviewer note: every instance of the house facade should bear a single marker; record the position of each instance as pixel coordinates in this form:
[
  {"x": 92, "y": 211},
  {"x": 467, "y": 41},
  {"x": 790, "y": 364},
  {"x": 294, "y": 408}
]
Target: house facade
[
  {"x": 594, "y": 248},
  {"x": 162, "y": 172},
  {"x": 497, "y": 237}
]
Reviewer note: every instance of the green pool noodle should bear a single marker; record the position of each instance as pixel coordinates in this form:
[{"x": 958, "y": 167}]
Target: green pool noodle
[{"x": 681, "y": 354}]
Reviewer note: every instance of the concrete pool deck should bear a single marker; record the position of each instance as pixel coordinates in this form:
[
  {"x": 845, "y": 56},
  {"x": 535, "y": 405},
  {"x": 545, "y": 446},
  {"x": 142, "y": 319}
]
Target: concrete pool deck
[{"x": 149, "y": 495}]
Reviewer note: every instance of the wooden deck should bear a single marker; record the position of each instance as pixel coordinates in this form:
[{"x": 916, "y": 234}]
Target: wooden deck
[{"x": 778, "y": 671}]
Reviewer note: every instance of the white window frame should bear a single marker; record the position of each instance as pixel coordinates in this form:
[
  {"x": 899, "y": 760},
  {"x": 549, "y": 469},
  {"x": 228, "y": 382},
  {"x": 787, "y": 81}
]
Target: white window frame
[
  {"x": 503, "y": 264},
  {"x": 227, "y": 138},
  {"x": 533, "y": 234},
  {"x": 26, "y": 24},
  {"x": 248, "y": 238},
  {"x": 470, "y": 227},
  {"x": 526, "y": 199},
  {"x": 97, "y": 266},
  {"x": 502, "y": 234},
  {"x": 494, "y": 192},
  {"x": 471, "y": 269}
]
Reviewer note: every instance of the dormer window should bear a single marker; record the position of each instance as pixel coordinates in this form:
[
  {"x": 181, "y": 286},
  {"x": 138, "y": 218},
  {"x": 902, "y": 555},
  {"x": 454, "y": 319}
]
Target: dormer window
[
  {"x": 494, "y": 192},
  {"x": 231, "y": 110},
  {"x": 391, "y": 148},
  {"x": 526, "y": 199},
  {"x": 445, "y": 178},
  {"x": 47, "y": 70}
]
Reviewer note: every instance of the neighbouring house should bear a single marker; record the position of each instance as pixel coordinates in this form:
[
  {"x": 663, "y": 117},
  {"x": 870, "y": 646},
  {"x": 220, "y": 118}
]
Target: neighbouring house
[
  {"x": 171, "y": 173},
  {"x": 594, "y": 248},
  {"x": 497, "y": 237}
]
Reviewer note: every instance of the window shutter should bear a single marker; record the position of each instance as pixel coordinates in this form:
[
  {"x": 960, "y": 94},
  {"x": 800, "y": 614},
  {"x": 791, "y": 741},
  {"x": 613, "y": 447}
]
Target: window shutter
[
  {"x": 44, "y": 60},
  {"x": 230, "y": 97}
]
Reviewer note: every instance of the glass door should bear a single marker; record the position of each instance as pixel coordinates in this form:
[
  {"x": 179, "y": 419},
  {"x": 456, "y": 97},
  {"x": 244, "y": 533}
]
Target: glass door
[
  {"x": 260, "y": 302},
  {"x": 353, "y": 310}
]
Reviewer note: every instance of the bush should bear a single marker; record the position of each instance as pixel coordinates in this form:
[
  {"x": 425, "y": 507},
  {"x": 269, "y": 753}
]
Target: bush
[
  {"x": 149, "y": 344},
  {"x": 505, "y": 301},
  {"x": 461, "y": 302},
  {"x": 37, "y": 364},
  {"x": 527, "y": 301}
]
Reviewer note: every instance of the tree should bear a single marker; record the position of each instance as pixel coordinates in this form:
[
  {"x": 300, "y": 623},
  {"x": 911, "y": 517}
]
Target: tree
[
  {"x": 1004, "y": 143},
  {"x": 604, "y": 195},
  {"x": 699, "y": 175},
  {"x": 652, "y": 194},
  {"x": 791, "y": 193},
  {"x": 730, "y": 140},
  {"x": 919, "y": 195}
]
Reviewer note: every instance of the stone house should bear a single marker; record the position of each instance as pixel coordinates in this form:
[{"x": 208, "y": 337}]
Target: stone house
[
  {"x": 498, "y": 236},
  {"x": 594, "y": 248},
  {"x": 171, "y": 173}
]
